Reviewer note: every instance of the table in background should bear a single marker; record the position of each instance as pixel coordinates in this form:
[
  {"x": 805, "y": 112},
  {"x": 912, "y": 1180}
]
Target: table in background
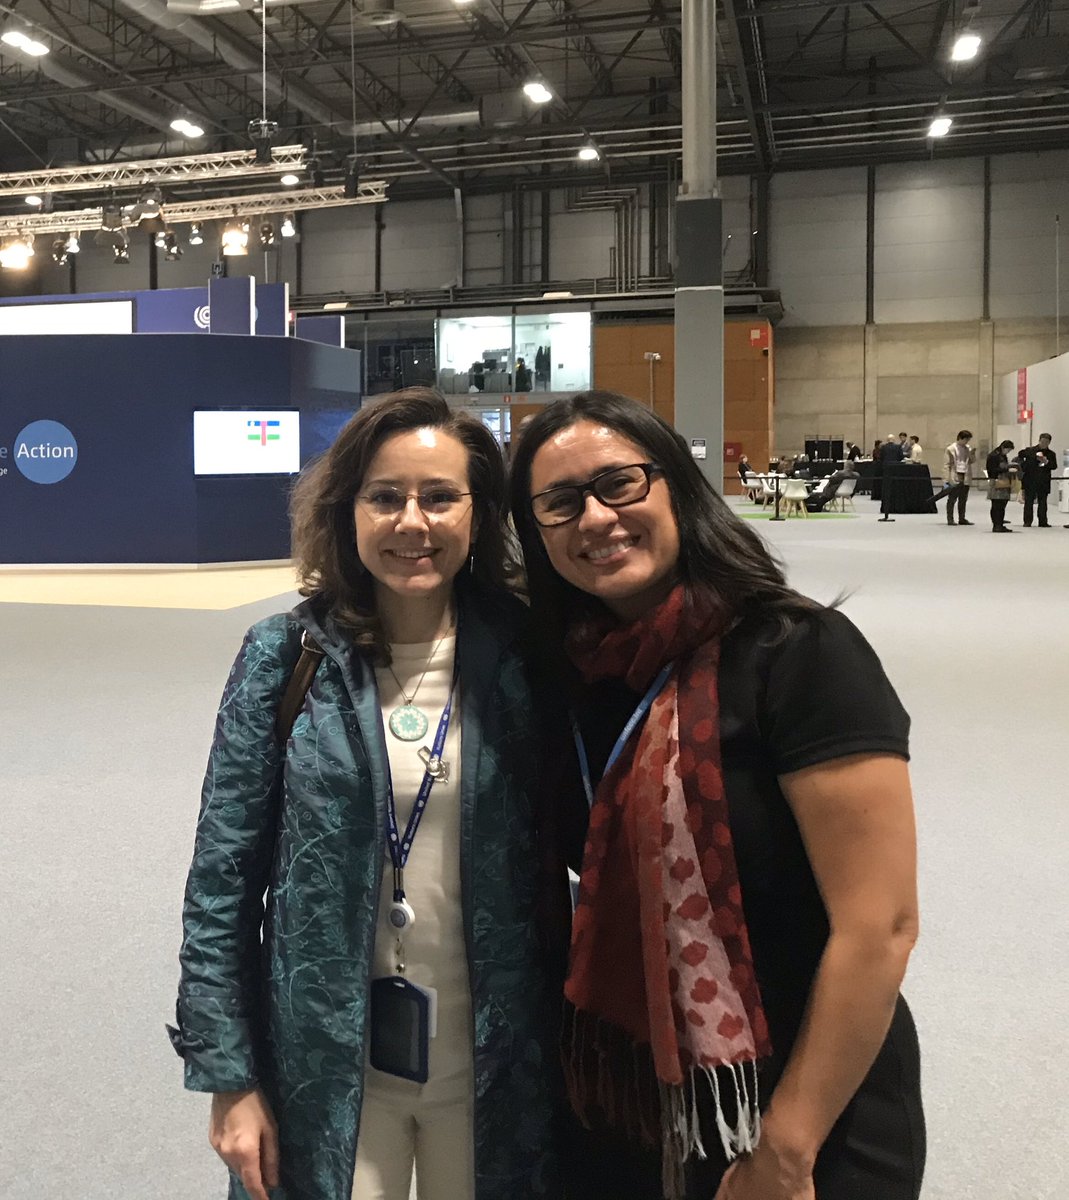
[{"x": 907, "y": 488}]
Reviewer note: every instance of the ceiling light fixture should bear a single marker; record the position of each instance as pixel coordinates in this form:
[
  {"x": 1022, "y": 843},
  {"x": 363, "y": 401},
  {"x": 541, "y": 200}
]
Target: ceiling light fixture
[
  {"x": 235, "y": 237},
  {"x": 172, "y": 251},
  {"x": 288, "y": 228},
  {"x": 35, "y": 201},
  {"x": 939, "y": 127},
  {"x": 290, "y": 180},
  {"x": 59, "y": 251},
  {"x": 196, "y": 238},
  {"x": 267, "y": 234},
  {"x": 589, "y": 153},
  {"x": 187, "y": 128},
  {"x": 537, "y": 92},
  {"x": 966, "y": 46},
  {"x": 18, "y": 39},
  {"x": 16, "y": 252}
]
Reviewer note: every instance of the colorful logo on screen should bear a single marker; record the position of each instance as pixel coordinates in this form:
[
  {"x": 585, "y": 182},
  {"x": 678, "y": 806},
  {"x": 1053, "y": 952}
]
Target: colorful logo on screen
[
  {"x": 261, "y": 431},
  {"x": 46, "y": 452}
]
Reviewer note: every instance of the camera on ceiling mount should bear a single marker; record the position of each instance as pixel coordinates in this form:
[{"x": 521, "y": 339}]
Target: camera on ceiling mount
[{"x": 262, "y": 134}]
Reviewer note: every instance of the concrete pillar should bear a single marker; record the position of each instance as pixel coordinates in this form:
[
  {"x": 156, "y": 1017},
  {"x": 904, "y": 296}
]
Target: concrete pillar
[
  {"x": 699, "y": 327},
  {"x": 987, "y": 399}
]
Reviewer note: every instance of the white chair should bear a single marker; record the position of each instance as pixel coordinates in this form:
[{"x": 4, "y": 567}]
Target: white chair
[
  {"x": 768, "y": 490},
  {"x": 752, "y": 486},
  {"x": 845, "y": 492},
  {"x": 793, "y": 496}
]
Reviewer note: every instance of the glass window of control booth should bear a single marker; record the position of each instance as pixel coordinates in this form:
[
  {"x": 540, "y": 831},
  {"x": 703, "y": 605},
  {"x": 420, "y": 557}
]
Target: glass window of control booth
[
  {"x": 487, "y": 356},
  {"x": 398, "y": 351}
]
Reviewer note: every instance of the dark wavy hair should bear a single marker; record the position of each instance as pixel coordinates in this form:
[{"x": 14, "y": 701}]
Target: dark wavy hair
[
  {"x": 719, "y": 554},
  {"x": 323, "y": 518}
]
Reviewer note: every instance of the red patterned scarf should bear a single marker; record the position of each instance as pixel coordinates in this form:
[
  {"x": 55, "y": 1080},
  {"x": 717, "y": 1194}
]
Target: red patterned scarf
[{"x": 661, "y": 986}]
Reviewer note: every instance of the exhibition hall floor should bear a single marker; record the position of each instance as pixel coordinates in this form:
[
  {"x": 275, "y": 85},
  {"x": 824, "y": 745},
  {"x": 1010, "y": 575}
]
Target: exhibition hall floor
[{"x": 107, "y": 709}]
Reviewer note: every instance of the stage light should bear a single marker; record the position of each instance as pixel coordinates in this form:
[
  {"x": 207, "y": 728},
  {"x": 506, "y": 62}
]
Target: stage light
[
  {"x": 290, "y": 180},
  {"x": 267, "y": 234},
  {"x": 59, "y": 251},
  {"x": 172, "y": 251},
  {"x": 196, "y": 238},
  {"x": 537, "y": 92},
  {"x": 966, "y": 47},
  {"x": 235, "y": 237},
  {"x": 35, "y": 201},
  {"x": 262, "y": 134},
  {"x": 288, "y": 228},
  {"x": 351, "y": 186},
  {"x": 73, "y": 245},
  {"x": 589, "y": 153},
  {"x": 315, "y": 172},
  {"x": 160, "y": 240},
  {"x": 121, "y": 251},
  {"x": 16, "y": 251}
]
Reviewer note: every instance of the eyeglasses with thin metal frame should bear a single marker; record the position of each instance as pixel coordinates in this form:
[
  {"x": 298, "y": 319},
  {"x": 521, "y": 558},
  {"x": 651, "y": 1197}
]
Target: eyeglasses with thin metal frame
[
  {"x": 615, "y": 488},
  {"x": 433, "y": 502}
]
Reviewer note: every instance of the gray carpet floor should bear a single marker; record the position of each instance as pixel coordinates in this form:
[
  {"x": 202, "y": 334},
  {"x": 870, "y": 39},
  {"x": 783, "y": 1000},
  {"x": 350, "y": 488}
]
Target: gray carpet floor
[{"x": 105, "y": 718}]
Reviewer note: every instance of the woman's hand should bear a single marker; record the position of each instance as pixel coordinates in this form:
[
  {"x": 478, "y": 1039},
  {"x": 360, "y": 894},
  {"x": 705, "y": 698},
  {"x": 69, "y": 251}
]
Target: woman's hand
[
  {"x": 766, "y": 1175},
  {"x": 244, "y": 1135}
]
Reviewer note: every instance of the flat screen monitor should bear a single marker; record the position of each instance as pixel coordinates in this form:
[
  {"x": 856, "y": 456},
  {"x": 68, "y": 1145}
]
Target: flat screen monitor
[{"x": 246, "y": 442}]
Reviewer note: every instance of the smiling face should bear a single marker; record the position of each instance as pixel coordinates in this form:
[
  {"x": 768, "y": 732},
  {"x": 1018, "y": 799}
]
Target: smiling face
[
  {"x": 626, "y": 557},
  {"x": 414, "y": 558}
]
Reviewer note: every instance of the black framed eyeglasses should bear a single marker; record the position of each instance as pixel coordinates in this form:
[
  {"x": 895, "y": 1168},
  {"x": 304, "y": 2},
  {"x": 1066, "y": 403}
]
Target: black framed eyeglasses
[{"x": 616, "y": 488}]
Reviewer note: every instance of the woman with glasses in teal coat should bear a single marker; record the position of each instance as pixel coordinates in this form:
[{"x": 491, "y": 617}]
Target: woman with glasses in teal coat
[{"x": 363, "y": 987}]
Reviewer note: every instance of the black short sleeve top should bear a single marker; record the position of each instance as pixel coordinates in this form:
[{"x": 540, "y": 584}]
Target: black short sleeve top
[{"x": 817, "y": 694}]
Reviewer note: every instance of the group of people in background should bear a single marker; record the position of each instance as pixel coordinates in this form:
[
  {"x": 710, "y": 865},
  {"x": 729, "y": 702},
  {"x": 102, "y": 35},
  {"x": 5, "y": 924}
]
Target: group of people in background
[{"x": 1032, "y": 469}]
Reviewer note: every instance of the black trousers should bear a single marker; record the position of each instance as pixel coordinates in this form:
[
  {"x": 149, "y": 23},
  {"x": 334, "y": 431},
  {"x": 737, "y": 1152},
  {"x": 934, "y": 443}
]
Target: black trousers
[
  {"x": 1033, "y": 498},
  {"x": 998, "y": 513},
  {"x": 876, "y": 1151},
  {"x": 958, "y": 494}
]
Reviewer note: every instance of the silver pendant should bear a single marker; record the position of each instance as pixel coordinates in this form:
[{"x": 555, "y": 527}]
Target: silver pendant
[
  {"x": 437, "y": 768},
  {"x": 409, "y": 723}
]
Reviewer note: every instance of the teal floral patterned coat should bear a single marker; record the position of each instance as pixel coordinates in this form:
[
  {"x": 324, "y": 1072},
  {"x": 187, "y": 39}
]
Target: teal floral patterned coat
[{"x": 281, "y": 900}]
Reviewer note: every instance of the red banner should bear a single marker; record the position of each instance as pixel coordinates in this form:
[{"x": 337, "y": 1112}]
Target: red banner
[{"x": 1023, "y": 414}]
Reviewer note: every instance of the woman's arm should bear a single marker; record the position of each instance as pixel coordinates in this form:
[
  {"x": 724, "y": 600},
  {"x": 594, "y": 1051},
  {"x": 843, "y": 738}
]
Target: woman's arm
[{"x": 856, "y": 819}]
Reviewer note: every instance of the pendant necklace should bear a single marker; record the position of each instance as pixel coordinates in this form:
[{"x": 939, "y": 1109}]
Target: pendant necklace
[{"x": 409, "y": 723}]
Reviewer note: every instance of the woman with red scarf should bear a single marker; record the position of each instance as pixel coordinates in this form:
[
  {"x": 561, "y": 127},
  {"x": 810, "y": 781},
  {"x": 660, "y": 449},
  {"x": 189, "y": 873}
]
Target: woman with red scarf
[{"x": 738, "y": 805}]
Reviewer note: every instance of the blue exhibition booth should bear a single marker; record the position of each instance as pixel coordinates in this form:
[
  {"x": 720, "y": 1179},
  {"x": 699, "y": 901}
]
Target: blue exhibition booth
[{"x": 99, "y": 463}]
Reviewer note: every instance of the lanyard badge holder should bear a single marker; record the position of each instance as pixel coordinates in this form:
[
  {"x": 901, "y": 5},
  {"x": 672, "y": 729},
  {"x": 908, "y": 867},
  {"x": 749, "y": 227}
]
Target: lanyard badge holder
[
  {"x": 403, "y": 1014},
  {"x": 635, "y": 720}
]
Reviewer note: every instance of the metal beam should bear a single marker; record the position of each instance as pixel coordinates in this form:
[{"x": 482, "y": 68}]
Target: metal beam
[
  {"x": 583, "y": 46},
  {"x": 735, "y": 39},
  {"x": 371, "y": 191}
]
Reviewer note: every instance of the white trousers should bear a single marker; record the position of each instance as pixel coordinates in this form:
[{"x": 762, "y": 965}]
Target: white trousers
[{"x": 399, "y": 1132}]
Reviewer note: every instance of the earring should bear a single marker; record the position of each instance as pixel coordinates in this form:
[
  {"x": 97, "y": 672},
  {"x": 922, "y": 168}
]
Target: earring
[{"x": 471, "y": 560}]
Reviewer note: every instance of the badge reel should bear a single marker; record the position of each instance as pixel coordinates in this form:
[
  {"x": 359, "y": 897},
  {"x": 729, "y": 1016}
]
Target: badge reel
[{"x": 404, "y": 1016}]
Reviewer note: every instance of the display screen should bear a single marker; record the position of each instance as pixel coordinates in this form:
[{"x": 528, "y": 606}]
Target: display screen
[
  {"x": 246, "y": 442},
  {"x": 80, "y": 316}
]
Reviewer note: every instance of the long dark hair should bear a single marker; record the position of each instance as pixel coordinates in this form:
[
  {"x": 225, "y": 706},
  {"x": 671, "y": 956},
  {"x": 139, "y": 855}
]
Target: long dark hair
[
  {"x": 719, "y": 554},
  {"x": 323, "y": 520}
]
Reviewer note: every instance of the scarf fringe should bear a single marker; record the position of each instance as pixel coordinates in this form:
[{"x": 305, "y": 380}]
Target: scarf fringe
[
  {"x": 681, "y": 1121},
  {"x": 611, "y": 1081}
]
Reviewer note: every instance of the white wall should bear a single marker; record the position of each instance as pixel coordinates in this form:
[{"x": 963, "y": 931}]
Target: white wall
[
  {"x": 817, "y": 246},
  {"x": 1048, "y": 397}
]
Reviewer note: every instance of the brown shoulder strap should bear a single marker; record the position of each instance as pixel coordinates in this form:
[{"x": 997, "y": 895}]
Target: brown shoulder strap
[{"x": 297, "y": 688}]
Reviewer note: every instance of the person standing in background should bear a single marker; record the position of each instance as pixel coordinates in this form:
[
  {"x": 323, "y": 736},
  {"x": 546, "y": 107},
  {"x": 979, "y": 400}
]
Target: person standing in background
[
  {"x": 903, "y": 446},
  {"x": 1000, "y": 472},
  {"x": 916, "y": 450},
  {"x": 957, "y": 469},
  {"x": 853, "y": 452},
  {"x": 1037, "y": 466}
]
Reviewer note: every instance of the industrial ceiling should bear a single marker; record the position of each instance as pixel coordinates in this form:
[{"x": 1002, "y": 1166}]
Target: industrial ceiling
[{"x": 426, "y": 95}]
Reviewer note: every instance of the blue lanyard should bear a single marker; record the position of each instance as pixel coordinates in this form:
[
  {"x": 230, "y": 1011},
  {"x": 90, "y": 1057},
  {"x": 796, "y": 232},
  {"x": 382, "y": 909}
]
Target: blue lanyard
[
  {"x": 636, "y": 719},
  {"x": 398, "y": 846}
]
